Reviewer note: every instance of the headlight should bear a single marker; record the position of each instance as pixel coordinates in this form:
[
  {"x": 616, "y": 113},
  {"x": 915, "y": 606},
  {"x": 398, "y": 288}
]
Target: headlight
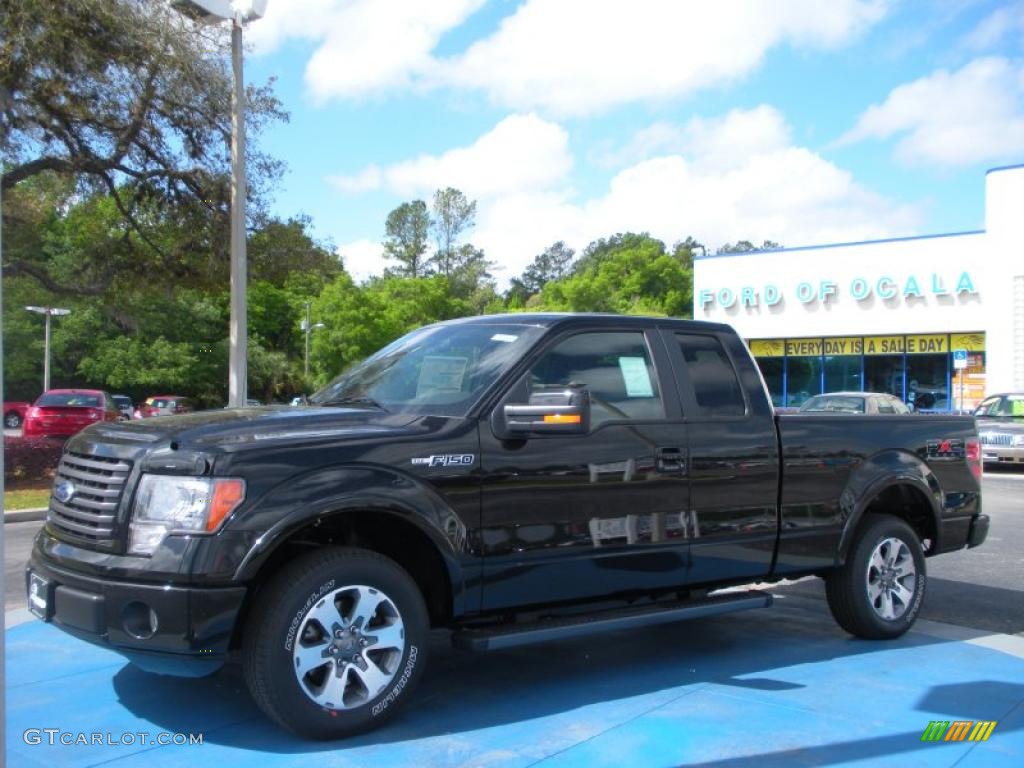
[{"x": 166, "y": 504}]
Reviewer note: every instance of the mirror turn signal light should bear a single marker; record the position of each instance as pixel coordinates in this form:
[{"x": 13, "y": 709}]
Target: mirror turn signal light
[{"x": 562, "y": 418}]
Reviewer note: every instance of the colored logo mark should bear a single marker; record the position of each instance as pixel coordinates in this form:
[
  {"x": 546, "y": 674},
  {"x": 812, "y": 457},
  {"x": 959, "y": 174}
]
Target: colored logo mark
[{"x": 958, "y": 730}]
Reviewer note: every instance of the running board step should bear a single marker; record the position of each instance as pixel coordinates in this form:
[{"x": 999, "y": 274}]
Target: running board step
[{"x": 511, "y": 635}]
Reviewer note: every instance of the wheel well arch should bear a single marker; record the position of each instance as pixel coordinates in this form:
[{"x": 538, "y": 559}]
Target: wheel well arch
[
  {"x": 906, "y": 501},
  {"x": 388, "y": 534}
]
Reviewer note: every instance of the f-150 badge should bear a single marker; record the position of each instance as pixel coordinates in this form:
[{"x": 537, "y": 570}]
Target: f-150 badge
[{"x": 446, "y": 460}]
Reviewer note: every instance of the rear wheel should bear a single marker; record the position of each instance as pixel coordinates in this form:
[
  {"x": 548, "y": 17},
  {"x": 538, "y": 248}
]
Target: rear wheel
[
  {"x": 877, "y": 594},
  {"x": 335, "y": 643}
]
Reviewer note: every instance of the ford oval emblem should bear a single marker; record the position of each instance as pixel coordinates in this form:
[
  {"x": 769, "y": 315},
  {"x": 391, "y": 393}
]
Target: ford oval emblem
[{"x": 63, "y": 491}]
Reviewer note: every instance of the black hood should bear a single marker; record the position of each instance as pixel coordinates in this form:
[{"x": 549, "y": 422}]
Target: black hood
[{"x": 256, "y": 425}]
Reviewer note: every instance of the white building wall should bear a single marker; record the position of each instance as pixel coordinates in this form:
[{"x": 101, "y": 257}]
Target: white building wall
[{"x": 944, "y": 283}]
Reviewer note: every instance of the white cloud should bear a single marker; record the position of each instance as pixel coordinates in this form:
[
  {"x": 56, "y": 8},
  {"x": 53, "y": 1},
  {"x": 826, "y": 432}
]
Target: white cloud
[
  {"x": 722, "y": 179},
  {"x": 719, "y": 180},
  {"x": 972, "y": 115},
  {"x": 997, "y": 26},
  {"x": 572, "y": 57},
  {"x": 363, "y": 259},
  {"x": 521, "y": 152},
  {"x": 365, "y": 46},
  {"x": 579, "y": 56}
]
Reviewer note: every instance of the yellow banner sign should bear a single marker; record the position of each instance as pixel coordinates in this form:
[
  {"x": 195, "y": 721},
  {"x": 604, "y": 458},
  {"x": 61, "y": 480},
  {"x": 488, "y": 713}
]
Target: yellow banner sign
[
  {"x": 767, "y": 347},
  {"x": 883, "y": 345},
  {"x": 803, "y": 347},
  {"x": 972, "y": 342},
  {"x": 844, "y": 345},
  {"x": 928, "y": 344}
]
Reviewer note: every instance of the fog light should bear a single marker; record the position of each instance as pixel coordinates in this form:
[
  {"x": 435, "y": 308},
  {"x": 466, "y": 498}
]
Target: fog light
[{"x": 139, "y": 620}]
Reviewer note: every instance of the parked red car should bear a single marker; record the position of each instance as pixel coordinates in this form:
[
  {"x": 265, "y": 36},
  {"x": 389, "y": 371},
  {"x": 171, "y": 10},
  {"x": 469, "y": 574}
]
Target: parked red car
[
  {"x": 14, "y": 413},
  {"x": 163, "y": 405},
  {"x": 64, "y": 412}
]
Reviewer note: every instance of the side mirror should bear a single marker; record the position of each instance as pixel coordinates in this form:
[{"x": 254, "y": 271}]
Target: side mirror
[{"x": 552, "y": 412}]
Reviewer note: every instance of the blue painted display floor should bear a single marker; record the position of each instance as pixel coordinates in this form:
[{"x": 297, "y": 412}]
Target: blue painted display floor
[{"x": 777, "y": 687}]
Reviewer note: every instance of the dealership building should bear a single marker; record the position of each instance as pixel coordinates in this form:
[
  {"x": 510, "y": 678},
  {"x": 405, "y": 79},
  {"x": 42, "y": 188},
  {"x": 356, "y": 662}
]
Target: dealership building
[{"x": 936, "y": 320}]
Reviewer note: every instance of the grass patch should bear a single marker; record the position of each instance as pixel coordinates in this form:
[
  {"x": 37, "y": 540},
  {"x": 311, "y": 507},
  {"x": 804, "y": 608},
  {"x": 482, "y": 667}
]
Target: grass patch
[{"x": 26, "y": 498}]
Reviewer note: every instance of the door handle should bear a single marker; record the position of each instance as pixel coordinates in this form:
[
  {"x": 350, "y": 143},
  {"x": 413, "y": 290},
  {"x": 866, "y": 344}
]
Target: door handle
[{"x": 670, "y": 461}]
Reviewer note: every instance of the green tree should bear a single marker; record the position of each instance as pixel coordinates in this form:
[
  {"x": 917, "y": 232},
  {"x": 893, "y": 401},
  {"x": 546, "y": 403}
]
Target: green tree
[
  {"x": 626, "y": 274},
  {"x": 453, "y": 215},
  {"x": 279, "y": 249},
  {"x": 744, "y": 246},
  {"x": 551, "y": 264},
  {"x": 360, "y": 320},
  {"x": 406, "y": 231},
  {"x": 125, "y": 96}
]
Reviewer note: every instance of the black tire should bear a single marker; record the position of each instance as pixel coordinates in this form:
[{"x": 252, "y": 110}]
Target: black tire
[
  {"x": 271, "y": 638},
  {"x": 12, "y": 420},
  {"x": 848, "y": 588}
]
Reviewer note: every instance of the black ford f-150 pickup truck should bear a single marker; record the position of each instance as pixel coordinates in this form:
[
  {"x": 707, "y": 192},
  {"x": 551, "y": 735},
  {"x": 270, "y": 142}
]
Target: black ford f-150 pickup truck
[{"x": 513, "y": 478}]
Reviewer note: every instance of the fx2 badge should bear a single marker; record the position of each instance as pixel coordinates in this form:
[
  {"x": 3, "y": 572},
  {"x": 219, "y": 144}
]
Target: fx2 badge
[{"x": 446, "y": 460}]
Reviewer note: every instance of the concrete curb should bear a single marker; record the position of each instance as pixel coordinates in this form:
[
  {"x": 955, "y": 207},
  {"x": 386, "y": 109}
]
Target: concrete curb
[{"x": 24, "y": 515}]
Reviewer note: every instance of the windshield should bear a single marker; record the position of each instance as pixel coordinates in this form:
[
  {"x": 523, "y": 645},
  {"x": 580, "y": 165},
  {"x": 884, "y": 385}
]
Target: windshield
[
  {"x": 441, "y": 369},
  {"x": 72, "y": 399},
  {"x": 834, "y": 404},
  {"x": 1010, "y": 405}
]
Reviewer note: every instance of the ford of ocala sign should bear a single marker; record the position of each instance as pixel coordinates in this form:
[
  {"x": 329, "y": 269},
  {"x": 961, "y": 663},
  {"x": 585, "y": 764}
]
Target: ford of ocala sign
[{"x": 859, "y": 289}]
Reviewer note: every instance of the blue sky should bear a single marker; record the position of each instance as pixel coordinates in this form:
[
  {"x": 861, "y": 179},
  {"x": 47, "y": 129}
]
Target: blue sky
[{"x": 799, "y": 121}]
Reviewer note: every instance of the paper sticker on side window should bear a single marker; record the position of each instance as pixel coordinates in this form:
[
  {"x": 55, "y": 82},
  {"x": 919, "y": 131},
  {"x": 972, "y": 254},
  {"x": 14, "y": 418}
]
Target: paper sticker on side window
[
  {"x": 440, "y": 373},
  {"x": 634, "y": 373}
]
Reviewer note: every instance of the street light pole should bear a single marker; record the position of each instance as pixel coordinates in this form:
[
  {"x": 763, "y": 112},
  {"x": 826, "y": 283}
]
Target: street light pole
[
  {"x": 237, "y": 12},
  {"x": 47, "y": 312},
  {"x": 308, "y": 328},
  {"x": 238, "y": 339}
]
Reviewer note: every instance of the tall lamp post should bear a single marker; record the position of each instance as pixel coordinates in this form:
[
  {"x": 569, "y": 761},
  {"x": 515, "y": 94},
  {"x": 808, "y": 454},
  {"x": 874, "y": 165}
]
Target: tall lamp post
[
  {"x": 48, "y": 312},
  {"x": 238, "y": 12},
  {"x": 309, "y": 329}
]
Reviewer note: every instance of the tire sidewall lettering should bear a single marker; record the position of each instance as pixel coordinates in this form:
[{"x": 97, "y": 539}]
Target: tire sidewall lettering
[
  {"x": 293, "y": 627},
  {"x": 396, "y": 690}
]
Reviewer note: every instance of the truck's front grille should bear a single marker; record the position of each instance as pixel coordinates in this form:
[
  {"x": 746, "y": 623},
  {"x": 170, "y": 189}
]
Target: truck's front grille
[
  {"x": 996, "y": 438},
  {"x": 96, "y": 485}
]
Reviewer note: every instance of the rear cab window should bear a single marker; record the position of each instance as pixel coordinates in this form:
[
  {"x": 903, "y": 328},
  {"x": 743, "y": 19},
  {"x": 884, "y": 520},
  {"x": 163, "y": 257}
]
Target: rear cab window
[{"x": 710, "y": 377}]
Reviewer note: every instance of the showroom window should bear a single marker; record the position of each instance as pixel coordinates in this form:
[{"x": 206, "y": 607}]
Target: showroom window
[
  {"x": 842, "y": 373},
  {"x": 804, "y": 379},
  {"x": 884, "y": 373},
  {"x": 928, "y": 382}
]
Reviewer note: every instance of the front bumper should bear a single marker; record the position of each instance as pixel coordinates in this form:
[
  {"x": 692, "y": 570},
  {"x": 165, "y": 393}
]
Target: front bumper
[
  {"x": 1002, "y": 454},
  {"x": 167, "y": 629}
]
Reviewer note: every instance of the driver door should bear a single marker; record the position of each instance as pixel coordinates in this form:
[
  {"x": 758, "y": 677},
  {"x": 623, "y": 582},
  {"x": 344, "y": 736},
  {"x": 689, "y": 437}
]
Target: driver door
[{"x": 572, "y": 516}]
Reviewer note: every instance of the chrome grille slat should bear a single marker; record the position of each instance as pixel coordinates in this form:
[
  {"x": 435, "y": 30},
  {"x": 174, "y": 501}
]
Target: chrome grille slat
[
  {"x": 113, "y": 465},
  {"x": 91, "y": 512},
  {"x": 80, "y": 500},
  {"x": 93, "y": 532},
  {"x": 92, "y": 477},
  {"x": 85, "y": 517},
  {"x": 996, "y": 438}
]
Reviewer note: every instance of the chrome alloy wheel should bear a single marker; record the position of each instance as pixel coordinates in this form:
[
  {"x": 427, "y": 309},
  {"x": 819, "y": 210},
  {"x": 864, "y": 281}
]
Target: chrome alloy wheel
[
  {"x": 891, "y": 579},
  {"x": 348, "y": 648}
]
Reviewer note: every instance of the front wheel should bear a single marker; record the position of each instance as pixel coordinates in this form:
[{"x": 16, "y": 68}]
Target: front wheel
[
  {"x": 12, "y": 420},
  {"x": 335, "y": 643},
  {"x": 877, "y": 594}
]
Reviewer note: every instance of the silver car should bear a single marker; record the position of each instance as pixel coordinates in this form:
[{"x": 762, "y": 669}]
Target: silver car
[
  {"x": 855, "y": 402},
  {"x": 1001, "y": 428}
]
